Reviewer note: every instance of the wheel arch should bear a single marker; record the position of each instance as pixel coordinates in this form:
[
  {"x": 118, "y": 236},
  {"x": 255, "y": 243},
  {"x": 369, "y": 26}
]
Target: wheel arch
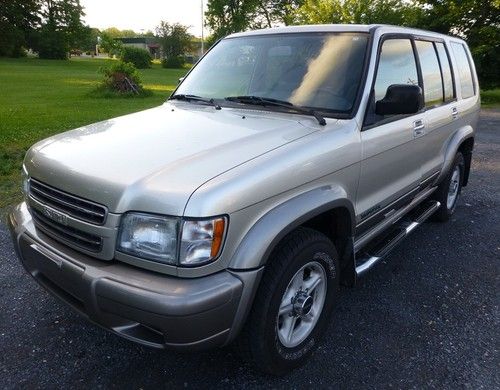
[
  {"x": 308, "y": 209},
  {"x": 461, "y": 141},
  {"x": 325, "y": 209}
]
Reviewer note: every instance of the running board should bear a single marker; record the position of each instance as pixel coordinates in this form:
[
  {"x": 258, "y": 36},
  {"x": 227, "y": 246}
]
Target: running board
[{"x": 382, "y": 246}]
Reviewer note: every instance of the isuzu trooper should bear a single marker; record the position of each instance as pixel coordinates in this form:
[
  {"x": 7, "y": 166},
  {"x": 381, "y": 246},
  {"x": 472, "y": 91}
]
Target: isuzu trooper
[{"x": 286, "y": 162}]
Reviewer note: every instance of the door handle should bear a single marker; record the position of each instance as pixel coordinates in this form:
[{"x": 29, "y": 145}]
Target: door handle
[
  {"x": 454, "y": 113},
  {"x": 418, "y": 128}
]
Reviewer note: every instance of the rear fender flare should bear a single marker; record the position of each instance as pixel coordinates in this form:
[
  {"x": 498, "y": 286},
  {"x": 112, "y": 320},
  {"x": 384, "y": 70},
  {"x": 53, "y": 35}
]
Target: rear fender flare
[{"x": 456, "y": 140}]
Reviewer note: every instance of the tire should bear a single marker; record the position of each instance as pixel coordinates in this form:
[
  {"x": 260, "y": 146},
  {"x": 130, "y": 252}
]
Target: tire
[
  {"x": 454, "y": 178},
  {"x": 266, "y": 341}
]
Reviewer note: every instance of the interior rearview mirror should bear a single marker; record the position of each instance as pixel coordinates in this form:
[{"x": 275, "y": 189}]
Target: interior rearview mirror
[{"x": 400, "y": 99}]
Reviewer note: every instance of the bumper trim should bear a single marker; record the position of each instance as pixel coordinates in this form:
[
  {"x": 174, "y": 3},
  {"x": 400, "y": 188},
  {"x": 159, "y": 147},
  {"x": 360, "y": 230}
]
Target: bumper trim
[{"x": 149, "y": 308}]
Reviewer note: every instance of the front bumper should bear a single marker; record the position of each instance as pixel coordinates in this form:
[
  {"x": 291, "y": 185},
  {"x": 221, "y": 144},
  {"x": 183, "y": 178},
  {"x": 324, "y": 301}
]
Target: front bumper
[{"x": 152, "y": 309}]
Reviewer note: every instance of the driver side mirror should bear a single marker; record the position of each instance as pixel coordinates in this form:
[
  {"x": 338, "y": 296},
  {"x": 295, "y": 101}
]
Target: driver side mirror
[
  {"x": 181, "y": 79},
  {"x": 400, "y": 99}
]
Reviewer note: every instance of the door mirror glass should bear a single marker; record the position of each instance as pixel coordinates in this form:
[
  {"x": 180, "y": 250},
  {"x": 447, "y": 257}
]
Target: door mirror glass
[{"x": 400, "y": 99}]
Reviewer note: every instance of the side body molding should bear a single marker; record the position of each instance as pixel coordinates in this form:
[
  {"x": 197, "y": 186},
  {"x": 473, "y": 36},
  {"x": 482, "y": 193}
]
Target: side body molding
[
  {"x": 255, "y": 248},
  {"x": 453, "y": 144}
]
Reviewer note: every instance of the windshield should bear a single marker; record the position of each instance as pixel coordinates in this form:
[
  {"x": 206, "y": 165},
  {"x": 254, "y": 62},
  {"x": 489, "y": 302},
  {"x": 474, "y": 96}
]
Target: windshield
[{"x": 317, "y": 70}]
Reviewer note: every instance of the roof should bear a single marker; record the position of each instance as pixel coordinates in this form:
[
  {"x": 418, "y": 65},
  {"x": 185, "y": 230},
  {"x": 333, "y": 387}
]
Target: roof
[
  {"x": 362, "y": 28},
  {"x": 307, "y": 28}
]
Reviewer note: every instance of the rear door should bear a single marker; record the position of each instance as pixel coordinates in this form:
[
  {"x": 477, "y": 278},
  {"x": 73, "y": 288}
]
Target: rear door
[
  {"x": 391, "y": 164},
  {"x": 440, "y": 104}
]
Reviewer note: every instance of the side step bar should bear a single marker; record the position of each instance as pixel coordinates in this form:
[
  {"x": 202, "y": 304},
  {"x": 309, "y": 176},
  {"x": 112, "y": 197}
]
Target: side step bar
[{"x": 382, "y": 247}]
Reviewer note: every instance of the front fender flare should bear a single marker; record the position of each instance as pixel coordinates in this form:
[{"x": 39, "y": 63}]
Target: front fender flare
[{"x": 262, "y": 238}]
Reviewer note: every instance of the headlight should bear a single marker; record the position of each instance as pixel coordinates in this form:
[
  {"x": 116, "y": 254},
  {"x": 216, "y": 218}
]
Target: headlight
[
  {"x": 201, "y": 241},
  {"x": 156, "y": 238},
  {"x": 149, "y": 236}
]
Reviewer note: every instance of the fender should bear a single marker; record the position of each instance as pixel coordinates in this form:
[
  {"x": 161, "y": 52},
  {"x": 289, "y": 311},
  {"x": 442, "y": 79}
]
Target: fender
[
  {"x": 262, "y": 238},
  {"x": 453, "y": 145}
]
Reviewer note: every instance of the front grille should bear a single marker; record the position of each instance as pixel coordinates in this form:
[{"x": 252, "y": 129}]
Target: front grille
[
  {"x": 65, "y": 233},
  {"x": 76, "y": 207}
]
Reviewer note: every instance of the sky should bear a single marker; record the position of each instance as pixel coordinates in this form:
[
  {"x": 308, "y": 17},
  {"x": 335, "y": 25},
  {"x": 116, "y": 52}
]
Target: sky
[{"x": 143, "y": 15}]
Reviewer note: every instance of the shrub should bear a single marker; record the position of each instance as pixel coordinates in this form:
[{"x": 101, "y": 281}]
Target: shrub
[
  {"x": 173, "y": 62},
  {"x": 139, "y": 57},
  {"x": 121, "y": 78}
]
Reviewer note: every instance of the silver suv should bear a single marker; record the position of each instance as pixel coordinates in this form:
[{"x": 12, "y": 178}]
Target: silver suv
[{"x": 288, "y": 161}]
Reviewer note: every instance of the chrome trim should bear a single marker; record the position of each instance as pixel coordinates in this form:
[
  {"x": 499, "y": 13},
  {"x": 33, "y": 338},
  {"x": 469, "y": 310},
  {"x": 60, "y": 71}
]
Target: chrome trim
[
  {"x": 107, "y": 233},
  {"x": 373, "y": 260},
  {"x": 429, "y": 179},
  {"x": 411, "y": 227},
  {"x": 367, "y": 265},
  {"x": 388, "y": 207},
  {"x": 368, "y": 236},
  {"x": 77, "y": 207},
  {"x": 66, "y": 234}
]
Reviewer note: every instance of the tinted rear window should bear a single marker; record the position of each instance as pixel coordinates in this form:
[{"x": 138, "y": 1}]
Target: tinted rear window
[
  {"x": 464, "y": 70},
  {"x": 431, "y": 73},
  {"x": 446, "y": 71}
]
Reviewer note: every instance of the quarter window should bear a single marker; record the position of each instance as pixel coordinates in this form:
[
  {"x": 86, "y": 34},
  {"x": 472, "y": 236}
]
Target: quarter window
[
  {"x": 444, "y": 61},
  {"x": 431, "y": 73},
  {"x": 396, "y": 66},
  {"x": 464, "y": 70}
]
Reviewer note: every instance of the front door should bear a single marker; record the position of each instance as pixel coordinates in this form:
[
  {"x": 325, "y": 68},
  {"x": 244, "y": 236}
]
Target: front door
[{"x": 391, "y": 164}]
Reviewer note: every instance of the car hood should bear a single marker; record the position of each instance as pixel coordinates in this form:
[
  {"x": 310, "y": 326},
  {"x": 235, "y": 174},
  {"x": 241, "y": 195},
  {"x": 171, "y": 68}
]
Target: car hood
[{"x": 153, "y": 160}]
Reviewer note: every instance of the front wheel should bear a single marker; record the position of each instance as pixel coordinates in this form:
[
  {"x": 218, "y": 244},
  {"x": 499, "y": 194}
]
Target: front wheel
[
  {"x": 293, "y": 304},
  {"x": 449, "y": 190}
]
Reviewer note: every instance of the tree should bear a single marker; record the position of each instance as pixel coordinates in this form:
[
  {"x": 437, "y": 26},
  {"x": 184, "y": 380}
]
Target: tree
[
  {"x": 18, "y": 21},
  {"x": 174, "y": 38},
  {"x": 270, "y": 13},
  {"x": 88, "y": 39},
  {"x": 108, "y": 44},
  {"x": 62, "y": 28},
  {"x": 114, "y": 32},
  {"x": 355, "y": 11},
  {"x": 476, "y": 22},
  {"x": 225, "y": 17}
]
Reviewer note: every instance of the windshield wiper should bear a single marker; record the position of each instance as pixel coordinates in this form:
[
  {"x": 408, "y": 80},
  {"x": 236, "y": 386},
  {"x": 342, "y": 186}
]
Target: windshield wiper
[
  {"x": 196, "y": 98},
  {"x": 261, "y": 101}
]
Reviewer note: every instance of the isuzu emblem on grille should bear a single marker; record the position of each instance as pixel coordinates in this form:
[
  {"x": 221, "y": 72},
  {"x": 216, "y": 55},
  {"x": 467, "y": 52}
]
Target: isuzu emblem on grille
[{"x": 55, "y": 216}]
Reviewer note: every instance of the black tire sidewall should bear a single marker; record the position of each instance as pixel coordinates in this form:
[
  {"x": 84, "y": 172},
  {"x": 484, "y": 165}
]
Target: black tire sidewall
[
  {"x": 281, "y": 357},
  {"x": 444, "y": 213},
  {"x": 459, "y": 161}
]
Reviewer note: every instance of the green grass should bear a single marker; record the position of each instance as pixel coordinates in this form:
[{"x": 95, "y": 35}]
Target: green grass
[
  {"x": 39, "y": 98},
  {"x": 490, "y": 98}
]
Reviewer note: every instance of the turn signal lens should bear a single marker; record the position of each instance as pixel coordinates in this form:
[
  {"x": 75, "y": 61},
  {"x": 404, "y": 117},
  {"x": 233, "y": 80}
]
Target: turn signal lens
[
  {"x": 201, "y": 241},
  {"x": 218, "y": 236}
]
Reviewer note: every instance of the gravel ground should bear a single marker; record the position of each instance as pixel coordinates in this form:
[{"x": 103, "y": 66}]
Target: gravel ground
[{"x": 427, "y": 317}]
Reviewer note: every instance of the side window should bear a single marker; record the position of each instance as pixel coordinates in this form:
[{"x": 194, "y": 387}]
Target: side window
[
  {"x": 396, "y": 66},
  {"x": 444, "y": 61},
  {"x": 431, "y": 73},
  {"x": 464, "y": 70}
]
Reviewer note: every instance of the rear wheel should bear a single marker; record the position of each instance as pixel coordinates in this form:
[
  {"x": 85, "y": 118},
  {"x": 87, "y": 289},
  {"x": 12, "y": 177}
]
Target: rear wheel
[
  {"x": 449, "y": 190},
  {"x": 293, "y": 304}
]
